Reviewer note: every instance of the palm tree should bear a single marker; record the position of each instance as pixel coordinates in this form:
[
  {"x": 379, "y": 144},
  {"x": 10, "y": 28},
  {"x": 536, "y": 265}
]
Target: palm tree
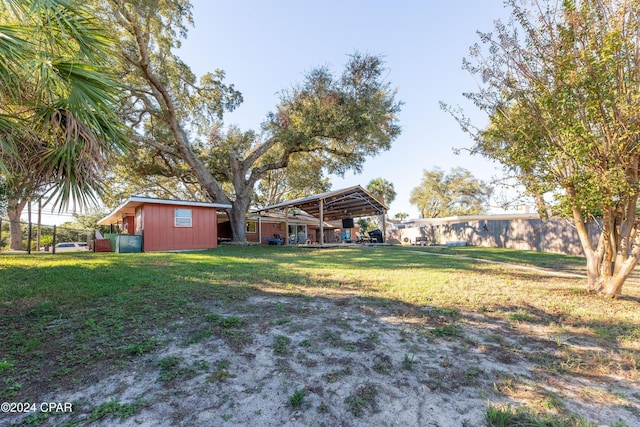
[
  {"x": 58, "y": 101},
  {"x": 382, "y": 190},
  {"x": 402, "y": 216},
  {"x": 58, "y": 97}
]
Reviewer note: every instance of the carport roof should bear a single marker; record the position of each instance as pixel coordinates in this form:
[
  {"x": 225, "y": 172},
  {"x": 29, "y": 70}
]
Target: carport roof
[{"x": 349, "y": 202}]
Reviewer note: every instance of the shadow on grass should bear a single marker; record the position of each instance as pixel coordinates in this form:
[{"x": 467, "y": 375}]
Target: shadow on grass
[{"x": 83, "y": 313}]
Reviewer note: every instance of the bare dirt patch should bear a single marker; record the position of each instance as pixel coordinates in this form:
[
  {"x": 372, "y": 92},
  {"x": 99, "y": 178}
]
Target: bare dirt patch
[{"x": 314, "y": 361}]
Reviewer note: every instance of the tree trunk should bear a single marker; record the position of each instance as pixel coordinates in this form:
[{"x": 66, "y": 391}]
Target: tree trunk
[
  {"x": 612, "y": 287},
  {"x": 593, "y": 256},
  {"x": 610, "y": 263},
  {"x": 237, "y": 218},
  {"x": 39, "y": 233},
  {"x": 14, "y": 210},
  {"x": 594, "y": 279}
]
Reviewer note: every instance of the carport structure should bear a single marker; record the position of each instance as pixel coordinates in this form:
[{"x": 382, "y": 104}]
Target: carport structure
[{"x": 351, "y": 202}]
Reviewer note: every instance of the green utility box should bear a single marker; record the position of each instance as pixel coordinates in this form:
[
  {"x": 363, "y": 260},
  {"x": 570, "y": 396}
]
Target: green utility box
[
  {"x": 112, "y": 238},
  {"x": 128, "y": 243}
]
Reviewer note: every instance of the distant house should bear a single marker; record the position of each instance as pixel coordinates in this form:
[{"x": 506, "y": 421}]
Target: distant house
[{"x": 168, "y": 225}]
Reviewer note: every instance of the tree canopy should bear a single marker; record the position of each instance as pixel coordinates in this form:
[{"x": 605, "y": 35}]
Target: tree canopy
[
  {"x": 176, "y": 119},
  {"x": 560, "y": 86},
  {"x": 304, "y": 176},
  {"x": 456, "y": 193}
]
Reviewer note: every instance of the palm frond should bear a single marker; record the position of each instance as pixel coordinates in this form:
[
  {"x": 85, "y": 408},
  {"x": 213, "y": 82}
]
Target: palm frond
[
  {"x": 56, "y": 97},
  {"x": 13, "y": 51}
]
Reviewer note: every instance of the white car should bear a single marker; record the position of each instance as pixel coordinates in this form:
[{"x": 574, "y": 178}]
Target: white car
[{"x": 71, "y": 246}]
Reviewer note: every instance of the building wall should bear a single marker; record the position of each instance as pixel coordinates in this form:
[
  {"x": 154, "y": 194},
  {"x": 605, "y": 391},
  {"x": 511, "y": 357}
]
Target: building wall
[
  {"x": 313, "y": 233},
  {"x": 272, "y": 227},
  {"x": 161, "y": 234},
  {"x": 268, "y": 230},
  {"x": 552, "y": 235},
  {"x": 128, "y": 225}
]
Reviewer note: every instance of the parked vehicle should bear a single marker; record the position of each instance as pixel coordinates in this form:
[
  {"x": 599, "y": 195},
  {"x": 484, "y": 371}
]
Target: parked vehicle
[{"x": 71, "y": 246}]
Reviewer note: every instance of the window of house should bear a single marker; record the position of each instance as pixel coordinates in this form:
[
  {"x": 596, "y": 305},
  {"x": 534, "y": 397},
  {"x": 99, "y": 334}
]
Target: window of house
[
  {"x": 251, "y": 227},
  {"x": 183, "y": 217}
]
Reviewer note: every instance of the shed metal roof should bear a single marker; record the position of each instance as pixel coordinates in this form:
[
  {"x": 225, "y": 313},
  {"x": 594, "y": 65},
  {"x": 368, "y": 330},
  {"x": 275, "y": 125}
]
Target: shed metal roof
[
  {"x": 128, "y": 207},
  {"x": 351, "y": 202}
]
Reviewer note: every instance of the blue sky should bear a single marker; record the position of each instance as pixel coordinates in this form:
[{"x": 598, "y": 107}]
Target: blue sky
[{"x": 267, "y": 46}]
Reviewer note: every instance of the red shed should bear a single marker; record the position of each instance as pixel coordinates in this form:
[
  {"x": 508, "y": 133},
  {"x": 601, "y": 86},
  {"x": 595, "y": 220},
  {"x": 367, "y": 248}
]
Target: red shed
[{"x": 168, "y": 225}]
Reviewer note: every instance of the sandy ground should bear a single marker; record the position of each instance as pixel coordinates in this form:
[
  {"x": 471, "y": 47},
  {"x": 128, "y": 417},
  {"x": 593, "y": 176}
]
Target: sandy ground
[{"x": 353, "y": 361}]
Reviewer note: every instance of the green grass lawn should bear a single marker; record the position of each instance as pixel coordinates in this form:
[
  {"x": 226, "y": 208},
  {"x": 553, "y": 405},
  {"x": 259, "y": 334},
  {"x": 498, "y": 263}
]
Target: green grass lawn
[
  {"x": 529, "y": 258},
  {"x": 72, "y": 282},
  {"x": 106, "y": 306}
]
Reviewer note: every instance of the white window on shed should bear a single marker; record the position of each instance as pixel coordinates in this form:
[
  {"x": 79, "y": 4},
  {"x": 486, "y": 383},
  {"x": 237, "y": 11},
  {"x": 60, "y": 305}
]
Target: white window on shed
[{"x": 183, "y": 218}]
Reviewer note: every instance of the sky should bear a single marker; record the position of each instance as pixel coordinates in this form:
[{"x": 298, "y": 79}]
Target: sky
[{"x": 266, "y": 47}]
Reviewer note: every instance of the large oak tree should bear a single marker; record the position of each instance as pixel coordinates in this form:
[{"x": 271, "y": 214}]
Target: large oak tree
[
  {"x": 176, "y": 118},
  {"x": 443, "y": 194},
  {"x": 561, "y": 85},
  {"x": 304, "y": 176}
]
